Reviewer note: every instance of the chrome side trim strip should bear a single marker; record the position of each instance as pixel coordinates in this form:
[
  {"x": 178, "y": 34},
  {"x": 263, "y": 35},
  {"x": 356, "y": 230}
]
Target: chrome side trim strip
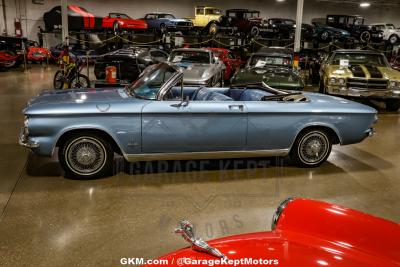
[{"x": 206, "y": 155}]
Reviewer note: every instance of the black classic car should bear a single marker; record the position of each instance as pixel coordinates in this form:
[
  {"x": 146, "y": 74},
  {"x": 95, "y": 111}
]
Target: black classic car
[
  {"x": 355, "y": 26},
  {"x": 285, "y": 29},
  {"x": 130, "y": 62},
  {"x": 78, "y": 19}
]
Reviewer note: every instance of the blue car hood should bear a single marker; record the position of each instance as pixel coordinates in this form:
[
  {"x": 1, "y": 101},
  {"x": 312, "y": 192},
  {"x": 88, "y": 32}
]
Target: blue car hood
[{"x": 79, "y": 96}]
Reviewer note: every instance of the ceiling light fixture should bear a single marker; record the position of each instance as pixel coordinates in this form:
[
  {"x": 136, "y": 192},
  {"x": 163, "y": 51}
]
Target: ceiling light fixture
[
  {"x": 280, "y": 1},
  {"x": 365, "y": 4}
]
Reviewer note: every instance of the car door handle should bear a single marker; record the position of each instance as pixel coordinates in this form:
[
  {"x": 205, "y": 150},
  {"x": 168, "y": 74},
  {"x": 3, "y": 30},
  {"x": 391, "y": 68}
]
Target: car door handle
[{"x": 236, "y": 107}]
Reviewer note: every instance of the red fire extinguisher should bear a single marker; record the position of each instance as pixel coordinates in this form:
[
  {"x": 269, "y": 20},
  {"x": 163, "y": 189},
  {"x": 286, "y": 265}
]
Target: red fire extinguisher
[
  {"x": 111, "y": 74},
  {"x": 18, "y": 27}
]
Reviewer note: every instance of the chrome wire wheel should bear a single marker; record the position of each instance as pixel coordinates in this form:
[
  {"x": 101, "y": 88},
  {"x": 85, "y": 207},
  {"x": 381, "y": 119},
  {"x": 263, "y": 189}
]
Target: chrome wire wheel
[
  {"x": 86, "y": 156},
  {"x": 313, "y": 148}
]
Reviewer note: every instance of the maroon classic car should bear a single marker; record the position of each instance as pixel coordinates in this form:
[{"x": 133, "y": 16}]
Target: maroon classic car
[{"x": 304, "y": 233}]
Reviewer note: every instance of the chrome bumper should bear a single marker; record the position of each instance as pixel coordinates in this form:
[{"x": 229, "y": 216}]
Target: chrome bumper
[
  {"x": 354, "y": 92},
  {"x": 370, "y": 132},
  {"x": 25, "y": 141}
]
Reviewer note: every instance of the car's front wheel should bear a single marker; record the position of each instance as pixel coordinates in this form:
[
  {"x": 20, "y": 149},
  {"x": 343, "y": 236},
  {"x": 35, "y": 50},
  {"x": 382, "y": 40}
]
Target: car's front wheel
[
  {"x": 394, "y": 39},
  {"x": 86, "y": 156},
  {"x": 311, "y": 148}
]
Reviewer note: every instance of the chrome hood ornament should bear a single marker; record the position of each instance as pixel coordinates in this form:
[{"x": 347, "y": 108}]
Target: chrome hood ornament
[{"x": 186, "y": 230}]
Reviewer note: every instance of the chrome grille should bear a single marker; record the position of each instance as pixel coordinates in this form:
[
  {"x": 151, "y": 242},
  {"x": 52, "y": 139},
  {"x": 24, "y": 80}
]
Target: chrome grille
[
  {"x": 184, "y": 23},
  {"x": 365, "y": 84}
]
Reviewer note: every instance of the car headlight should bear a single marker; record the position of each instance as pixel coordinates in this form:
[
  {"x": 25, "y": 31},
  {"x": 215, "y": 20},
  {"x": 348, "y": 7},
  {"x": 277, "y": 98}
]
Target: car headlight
[
  {"x": 394, "y": 84},
  {"x": 332, "y": 80},
  {"x": 342, "y": 81}
]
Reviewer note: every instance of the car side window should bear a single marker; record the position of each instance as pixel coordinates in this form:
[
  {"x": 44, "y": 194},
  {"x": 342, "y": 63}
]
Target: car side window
[{"x": 199, "y": 11}]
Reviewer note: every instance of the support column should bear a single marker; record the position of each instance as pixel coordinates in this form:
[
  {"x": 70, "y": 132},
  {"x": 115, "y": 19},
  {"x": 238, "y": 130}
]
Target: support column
[
  {"x": 64, "y": 21},
  {"x": 299, "y": 22}
]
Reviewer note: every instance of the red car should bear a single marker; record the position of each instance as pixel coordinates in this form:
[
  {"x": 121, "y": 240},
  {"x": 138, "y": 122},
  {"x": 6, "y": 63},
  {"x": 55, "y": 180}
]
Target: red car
[
  {"x": 118, "y": 22},
  {"x": 232, "y": 63},
  {"x": 304, "y": 233}
]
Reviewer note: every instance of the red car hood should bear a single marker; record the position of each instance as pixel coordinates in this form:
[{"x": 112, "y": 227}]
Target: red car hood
[{"x": 311, "y": 233}]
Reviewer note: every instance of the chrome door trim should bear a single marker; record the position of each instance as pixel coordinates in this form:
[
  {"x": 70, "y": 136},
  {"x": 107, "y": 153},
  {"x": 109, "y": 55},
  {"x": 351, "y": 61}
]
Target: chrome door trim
[{"x": 206, "y": 155}]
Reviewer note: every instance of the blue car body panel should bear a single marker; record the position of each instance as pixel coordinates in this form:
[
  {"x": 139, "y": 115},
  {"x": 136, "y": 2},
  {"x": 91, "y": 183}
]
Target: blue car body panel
[{"x": 216, "y": 120}]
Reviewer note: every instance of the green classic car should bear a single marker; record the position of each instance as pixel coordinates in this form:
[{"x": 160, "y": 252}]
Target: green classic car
[
  {"x": 361, "y": 74},
  {"x": 274, "y": 66}
]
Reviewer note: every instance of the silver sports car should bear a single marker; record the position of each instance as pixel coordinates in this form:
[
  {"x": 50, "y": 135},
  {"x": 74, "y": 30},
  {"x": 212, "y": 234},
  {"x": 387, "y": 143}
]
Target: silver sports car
[{"x": 199, "y": 66}]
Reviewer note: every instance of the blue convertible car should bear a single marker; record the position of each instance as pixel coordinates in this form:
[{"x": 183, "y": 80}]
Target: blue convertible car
[{"x": 157, "y": 118}]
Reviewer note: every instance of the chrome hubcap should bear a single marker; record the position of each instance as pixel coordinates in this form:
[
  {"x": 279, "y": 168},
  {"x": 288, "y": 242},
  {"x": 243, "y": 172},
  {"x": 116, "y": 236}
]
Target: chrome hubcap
[
  {"x": 313, "y": 148},
  {"x": 85, "y": 156}
]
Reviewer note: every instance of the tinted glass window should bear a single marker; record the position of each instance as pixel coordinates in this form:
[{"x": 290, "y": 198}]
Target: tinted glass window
[{"x": 190, "y": 57}]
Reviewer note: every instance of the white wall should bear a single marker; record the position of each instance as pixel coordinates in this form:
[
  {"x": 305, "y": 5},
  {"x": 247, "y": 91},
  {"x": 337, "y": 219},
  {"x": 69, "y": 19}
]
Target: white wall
[{"x": 32, "y": 14}]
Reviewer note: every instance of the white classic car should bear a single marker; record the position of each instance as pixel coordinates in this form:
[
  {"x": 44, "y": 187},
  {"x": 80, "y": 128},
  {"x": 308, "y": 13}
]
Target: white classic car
[{"x": 390, "y": 32}]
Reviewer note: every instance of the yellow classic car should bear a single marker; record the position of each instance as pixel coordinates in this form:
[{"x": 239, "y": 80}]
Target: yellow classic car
[
  {"x": 361, "y": 74},
  {"x": 207, "y": 17}
]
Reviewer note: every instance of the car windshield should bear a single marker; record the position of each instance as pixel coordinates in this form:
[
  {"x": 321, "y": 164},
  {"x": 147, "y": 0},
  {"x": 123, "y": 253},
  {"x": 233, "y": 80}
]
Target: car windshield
[
  {"x": 166, "y": 16},
  {"x": 213, "y": 11},
  {"x": 151, "y": 81},
  {"x": 289, "y": 22},
  {"x": 390, "y": 26},
  {"x": 360, "y": 59},
  {"x": 201, "y": 57},
  {"x": 259, "y": 61},
  {"x": 119, "y": 16}
]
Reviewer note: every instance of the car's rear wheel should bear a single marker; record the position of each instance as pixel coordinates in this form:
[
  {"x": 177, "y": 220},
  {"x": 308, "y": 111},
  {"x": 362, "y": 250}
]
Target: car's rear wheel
[
  {"x": 392, "y": 105},
  {"x": 163, "y": 28},
  {"x": 365, "y": 37},
  {"x": 213, "y": 29},
  {"x": 86, "y": 156},
  {"x": 116, "y": 28},
  {"x": 311, "y": 148}
]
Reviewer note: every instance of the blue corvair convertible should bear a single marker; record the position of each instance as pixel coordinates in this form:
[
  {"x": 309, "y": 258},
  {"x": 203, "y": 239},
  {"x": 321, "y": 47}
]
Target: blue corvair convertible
[{"x": 157, "y": 118}]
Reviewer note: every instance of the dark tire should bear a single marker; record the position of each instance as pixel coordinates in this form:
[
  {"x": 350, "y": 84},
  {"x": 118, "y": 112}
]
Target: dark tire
[
  {"x": 116, "y": 28},
  {"x": 325, "y": 36},
  {"x": 58, "y": 81},
  {"x": 392, "y": 105},
  {"x": 163, "y": 28},
  {"x": 13, "y": 63},
  {"x": 255, "y": 31},
  {"x": 321, "y": 87},
  {"x": 79, "y": 81},
  {"x": 365, "y": 37},
  {"x": 311, "y": 148},
  {"x": 213, "y": 29},
  {"x": 86, "y": 156},
  {"x": 393, "y": 39}
]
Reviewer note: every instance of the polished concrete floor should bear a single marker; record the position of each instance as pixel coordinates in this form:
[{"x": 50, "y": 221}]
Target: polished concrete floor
[{"x": 48, "y": 220}]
